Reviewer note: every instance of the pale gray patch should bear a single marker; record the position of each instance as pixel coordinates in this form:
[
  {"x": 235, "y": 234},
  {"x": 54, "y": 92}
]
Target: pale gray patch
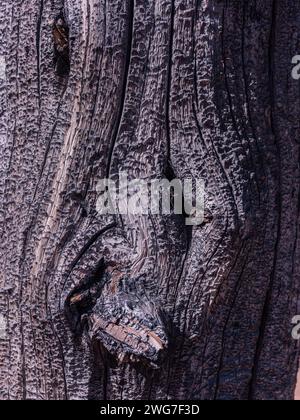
[
  {"x": 2, "y": 139},
  {"x": 3, "y": 327},
  {"x": 2, "y": 67}
]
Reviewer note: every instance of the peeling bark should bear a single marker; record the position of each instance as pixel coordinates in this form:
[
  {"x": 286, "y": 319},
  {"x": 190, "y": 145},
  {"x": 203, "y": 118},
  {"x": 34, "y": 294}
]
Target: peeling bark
[{"x": 103, "y": 307}]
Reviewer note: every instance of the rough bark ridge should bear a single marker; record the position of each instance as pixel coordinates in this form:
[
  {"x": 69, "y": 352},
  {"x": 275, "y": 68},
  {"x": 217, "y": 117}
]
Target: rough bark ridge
[{"x": 144, "y": 307}]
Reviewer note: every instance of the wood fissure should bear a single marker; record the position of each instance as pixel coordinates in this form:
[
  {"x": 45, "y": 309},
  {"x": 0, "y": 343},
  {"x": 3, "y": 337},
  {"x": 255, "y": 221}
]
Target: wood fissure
[{"x": 123, "y": 306}]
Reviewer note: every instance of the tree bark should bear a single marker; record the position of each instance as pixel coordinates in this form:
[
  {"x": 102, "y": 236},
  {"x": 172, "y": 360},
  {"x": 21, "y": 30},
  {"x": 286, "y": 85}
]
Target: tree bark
[{"x": 104, "y": 307}]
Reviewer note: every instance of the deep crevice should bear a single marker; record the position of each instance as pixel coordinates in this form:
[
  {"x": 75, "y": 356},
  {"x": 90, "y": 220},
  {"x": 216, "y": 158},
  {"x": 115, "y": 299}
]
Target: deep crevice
[{"x": 115, "y": 135}]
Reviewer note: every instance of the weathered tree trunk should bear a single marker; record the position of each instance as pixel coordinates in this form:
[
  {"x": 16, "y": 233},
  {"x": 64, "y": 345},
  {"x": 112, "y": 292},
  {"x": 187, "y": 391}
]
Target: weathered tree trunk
[{"x": 156, "y": 88}]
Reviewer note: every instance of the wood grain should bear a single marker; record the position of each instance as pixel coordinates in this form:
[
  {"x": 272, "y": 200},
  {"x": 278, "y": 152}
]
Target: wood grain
[{"x": 184, "y": 87}]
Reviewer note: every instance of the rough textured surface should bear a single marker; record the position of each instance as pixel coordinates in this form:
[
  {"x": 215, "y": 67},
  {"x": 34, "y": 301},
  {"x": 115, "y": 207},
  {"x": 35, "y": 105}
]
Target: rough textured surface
[{"x": 91, "y": 303}]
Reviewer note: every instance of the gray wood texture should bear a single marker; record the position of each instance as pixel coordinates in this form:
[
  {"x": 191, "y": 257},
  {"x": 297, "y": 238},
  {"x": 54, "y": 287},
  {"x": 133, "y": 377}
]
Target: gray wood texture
[{"x": 143, "y": 307}]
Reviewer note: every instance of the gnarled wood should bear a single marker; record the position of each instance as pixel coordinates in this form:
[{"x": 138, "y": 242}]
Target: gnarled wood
[{"x": 145, "y": 307}]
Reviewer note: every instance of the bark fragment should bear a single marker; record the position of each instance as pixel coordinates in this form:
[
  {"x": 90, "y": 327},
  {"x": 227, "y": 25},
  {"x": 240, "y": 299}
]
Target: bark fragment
[{"x": 202, "y": 88}]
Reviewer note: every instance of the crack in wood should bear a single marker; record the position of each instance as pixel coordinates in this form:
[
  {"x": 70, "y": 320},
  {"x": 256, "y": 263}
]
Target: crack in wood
[{"x": 60, "y": 33}]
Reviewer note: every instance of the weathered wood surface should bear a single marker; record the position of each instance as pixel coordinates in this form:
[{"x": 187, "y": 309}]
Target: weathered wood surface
[{"x": 195, "y": 88}]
